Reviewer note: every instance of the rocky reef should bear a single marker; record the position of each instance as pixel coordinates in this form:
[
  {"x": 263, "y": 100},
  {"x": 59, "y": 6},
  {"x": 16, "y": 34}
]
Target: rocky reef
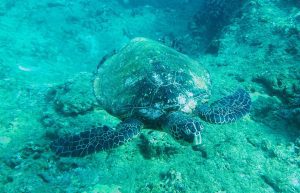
[
  {"x": 50, "y": 49},
  {"x": 170, "y": 181},
  {"x": 212, "y": 17},
  {"x": 284, "y": 102},
  {"x": 75, "y": 96}
]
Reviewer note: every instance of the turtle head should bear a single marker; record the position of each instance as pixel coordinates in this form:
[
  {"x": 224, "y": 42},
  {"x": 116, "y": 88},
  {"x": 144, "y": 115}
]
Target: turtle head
[{"x": 183, "y": 128}]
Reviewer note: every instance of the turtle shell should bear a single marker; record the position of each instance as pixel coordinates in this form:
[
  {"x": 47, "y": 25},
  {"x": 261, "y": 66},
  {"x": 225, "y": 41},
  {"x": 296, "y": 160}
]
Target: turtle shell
[{"x": 147, "y": 79}]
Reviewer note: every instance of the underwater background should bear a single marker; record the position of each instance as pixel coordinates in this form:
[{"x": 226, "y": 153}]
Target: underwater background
[{"x": 49, "y": 51}]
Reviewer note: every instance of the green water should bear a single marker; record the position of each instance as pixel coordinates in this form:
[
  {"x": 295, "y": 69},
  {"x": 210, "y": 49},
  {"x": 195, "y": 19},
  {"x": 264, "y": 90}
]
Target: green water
[{"x": 49, "y": 52}]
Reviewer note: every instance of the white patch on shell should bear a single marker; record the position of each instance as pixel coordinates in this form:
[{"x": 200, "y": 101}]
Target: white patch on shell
[
  {"x": 199, "y": 82},
  {"x": 169, "y": 77},
  {"x": 157, "y": 79},
  {"x": 187, "y": 104},
  {"x": 181, "y": 100},
  {"x": 130, "y": 81},
  {"x": 189, "y": 94}
]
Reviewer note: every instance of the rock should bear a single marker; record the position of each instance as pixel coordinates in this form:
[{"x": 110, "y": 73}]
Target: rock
[
  {"x": 32, "y": 150},
  {"x": 45, "y": 177},
  {"x": 290, "y": 114},
  {"x": 201, "y": 149},
  {"x": 25, "y": 155},
  {"x": 170, "y": 181},
  {"x": 292, "y": 48},
  {"x": 297, "y": 17},
  {"x": 297, "y": 146},
  {"x": 270, "y": 81},
  {"x": 13, "y": 161},
  {"x": 284, "y": 104},
  {"x": 47, "y": 119},
  {"x": 264, "y": 107},
  {"x": 67, "y": 165},
  {"x": 9, "y": 179},
  {"x": 272, "y": 112},
  {"x": 214, "y": 15},
  {"x": 153, "y": 146},
  {"x": 213, "y": 47},
  {"x": 284, "y": 85},
  {"x": 4, "y": 140},
  {"x": 271, "y": 182},
  {"x": 104, "y": 188},
  {"x": 74, "y": 97}
]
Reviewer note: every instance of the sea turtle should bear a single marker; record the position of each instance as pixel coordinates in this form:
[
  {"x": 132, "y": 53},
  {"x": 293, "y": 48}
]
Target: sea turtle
[{"x": 149, "y": 84}]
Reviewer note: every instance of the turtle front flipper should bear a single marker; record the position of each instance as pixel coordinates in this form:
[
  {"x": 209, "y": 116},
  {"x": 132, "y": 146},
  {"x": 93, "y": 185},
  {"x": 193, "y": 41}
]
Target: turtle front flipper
[
  {"x": 227, "y": 109},
  {"x": 99, "y": 139}
]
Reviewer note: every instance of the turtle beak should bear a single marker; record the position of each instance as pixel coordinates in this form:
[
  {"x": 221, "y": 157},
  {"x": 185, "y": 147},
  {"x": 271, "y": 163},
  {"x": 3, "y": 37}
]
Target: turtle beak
[{"x": 197, "y": 139}]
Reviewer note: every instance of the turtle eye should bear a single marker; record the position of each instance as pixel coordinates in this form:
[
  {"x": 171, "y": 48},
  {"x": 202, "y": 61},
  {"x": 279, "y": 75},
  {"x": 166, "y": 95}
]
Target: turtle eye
[{"x": 187, "y": 131}]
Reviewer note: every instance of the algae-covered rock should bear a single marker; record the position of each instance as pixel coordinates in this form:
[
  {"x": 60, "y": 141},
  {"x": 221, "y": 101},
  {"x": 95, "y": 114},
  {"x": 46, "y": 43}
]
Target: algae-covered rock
[
  {"x": 60, "y": 125},
  {"x": 170, "y": 181},
  {"x": 158, "y": 145},
  {"x": 274, "y": 113},
  {"x": 75, "y": 96},
  {"x": 264, "y": 109},
  {"x": 285, "y": 85},
  {"x": 284, "y": 103},
  {"x": 99, "y": 188},
  {"x": 297, "y": 147},
  {"x": 173, "y": 181},
  {"x": 290, "y": 114},
  {"x": 212, "y": 17},
  {"x": 72, "y": 108},
  {"x": 287, "y": 180}
]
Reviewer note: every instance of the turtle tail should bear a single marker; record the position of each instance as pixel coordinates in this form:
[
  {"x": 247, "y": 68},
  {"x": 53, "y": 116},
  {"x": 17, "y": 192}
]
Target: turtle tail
[
  {"x": 94, "y": 140},
  {"x": 227, "y": 109}
]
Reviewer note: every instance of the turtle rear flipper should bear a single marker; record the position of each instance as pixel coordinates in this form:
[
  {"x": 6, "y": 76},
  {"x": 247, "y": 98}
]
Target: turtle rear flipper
[
  {"x": 94, "y": 140},
  {"x": 227, "y": 109}
]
